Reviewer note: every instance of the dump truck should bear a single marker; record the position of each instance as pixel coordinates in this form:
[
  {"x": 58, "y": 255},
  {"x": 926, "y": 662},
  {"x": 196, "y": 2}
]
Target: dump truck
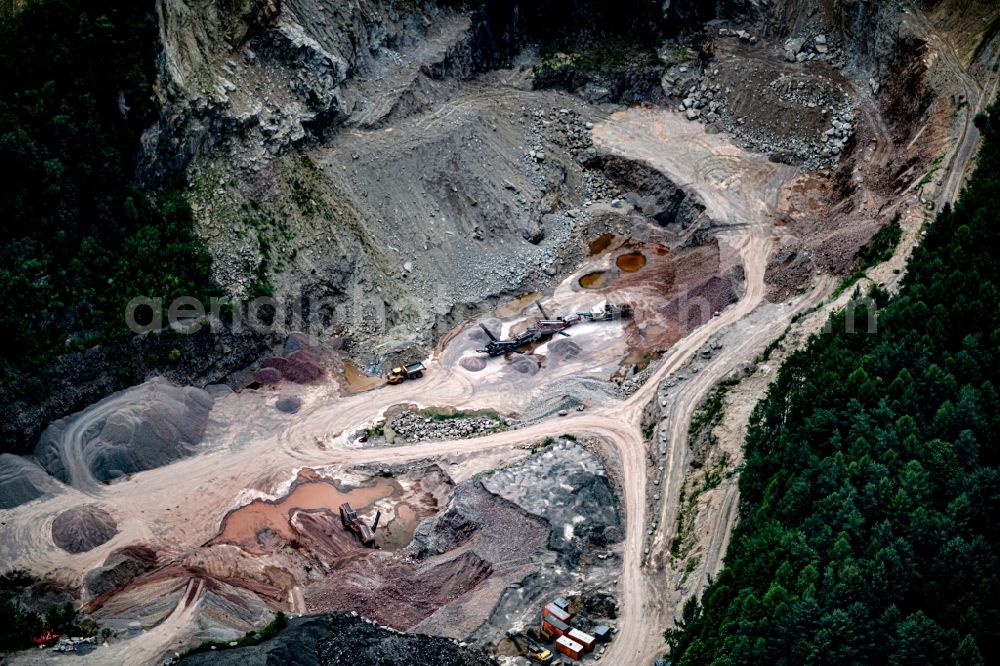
[
  {"x": 536, "y": 653},
  {"x": 404, "y": 372},
  {"x": 349, "y": 519}
]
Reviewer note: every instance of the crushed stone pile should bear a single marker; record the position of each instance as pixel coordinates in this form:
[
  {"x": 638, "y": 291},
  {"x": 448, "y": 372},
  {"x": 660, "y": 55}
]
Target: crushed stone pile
[
  {"x": 143, "y": 427},
  {"x": 288, "y": 404},
  {"x": 83, "y": 528},
  {"x": 414, "y": 427}
]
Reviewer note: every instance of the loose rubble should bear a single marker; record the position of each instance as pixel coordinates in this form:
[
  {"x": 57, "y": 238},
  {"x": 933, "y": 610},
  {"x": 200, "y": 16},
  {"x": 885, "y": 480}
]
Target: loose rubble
[
  {"x": 412, "y": 426},
  {"x": 807, "y": 98}
]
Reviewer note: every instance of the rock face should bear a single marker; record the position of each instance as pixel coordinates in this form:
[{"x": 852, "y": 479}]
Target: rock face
[
  {"x": 21, "y": 481},
  {"x": 144, "y": 427},
  {"x": 344, "y": 639},
  {"x": 82, "y": 528}
]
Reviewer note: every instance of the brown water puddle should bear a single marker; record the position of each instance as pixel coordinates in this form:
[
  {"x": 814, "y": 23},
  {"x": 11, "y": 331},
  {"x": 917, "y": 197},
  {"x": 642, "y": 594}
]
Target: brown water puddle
[
  {"x": 516, "y": 306},
  {"x": 242, "y": 526},
  {"x": 631, "y": 262},
  {"x": 596, "y": 280},
  {"x": 358, "y": 381},
  {"x": 600, "y": 244}
]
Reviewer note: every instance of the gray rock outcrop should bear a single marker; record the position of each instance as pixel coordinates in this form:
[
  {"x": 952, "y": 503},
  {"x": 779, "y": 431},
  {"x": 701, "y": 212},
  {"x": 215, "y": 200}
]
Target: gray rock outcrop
[{"x": 119, "y": 569}]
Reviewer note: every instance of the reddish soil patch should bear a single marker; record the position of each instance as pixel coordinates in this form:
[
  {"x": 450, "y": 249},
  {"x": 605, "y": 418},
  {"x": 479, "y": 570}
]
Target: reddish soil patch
[
  {"x": 399, "y": 593},
  {"x": 267, "y": 376},
  {"x": 300, "y": 367}
]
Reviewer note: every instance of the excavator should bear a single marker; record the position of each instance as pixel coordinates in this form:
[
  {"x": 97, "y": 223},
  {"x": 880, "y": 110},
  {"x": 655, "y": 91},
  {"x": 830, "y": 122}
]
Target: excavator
[
  {"x": 535, "y": 652},
  {"x": 349, "y": 519}
]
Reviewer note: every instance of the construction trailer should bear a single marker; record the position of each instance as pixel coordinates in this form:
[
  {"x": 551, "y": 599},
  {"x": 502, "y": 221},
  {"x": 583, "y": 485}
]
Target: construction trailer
[
  {"x": 349, "y": 519},
  {"x": 551, "y": 610},
  {"x": 602, "y": 633},
  {"x": 583, "y": 638},
  {"x": 569, "y": 647},
  {"x": 553, "y": 627}
]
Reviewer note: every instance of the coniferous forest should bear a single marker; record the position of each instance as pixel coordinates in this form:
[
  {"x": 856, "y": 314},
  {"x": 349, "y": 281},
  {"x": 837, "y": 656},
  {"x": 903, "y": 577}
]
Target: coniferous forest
[
  {"x": 81, "y": 237},
  {"x": 869, "y": 528}
]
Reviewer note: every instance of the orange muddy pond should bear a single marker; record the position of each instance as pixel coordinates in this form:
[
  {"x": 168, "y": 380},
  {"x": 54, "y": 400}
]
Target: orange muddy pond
[
  {"x": 600, "y": 244},
  {"x": 631, "y": 262},
  {"x": 242, "y": 526},
  {"x": 596, "y": 280}
]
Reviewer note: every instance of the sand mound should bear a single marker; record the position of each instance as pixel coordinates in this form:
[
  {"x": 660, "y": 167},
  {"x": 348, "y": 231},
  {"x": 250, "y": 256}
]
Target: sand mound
[
  {"x": 21, "y": 480},
  {"x": 146, "y": 426},
  {"x": 82, "y": 528},
  {"x": 473, "y": 363},
  {"x": 288, "y": 404}
]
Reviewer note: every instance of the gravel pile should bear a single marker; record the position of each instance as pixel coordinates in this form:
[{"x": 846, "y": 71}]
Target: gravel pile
[
  {"x": 21, "y": 481},
  {"x": 414, "y": 427},
  {"x": 83, "y": 528},
  {"x": 143, "y": 427}
]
